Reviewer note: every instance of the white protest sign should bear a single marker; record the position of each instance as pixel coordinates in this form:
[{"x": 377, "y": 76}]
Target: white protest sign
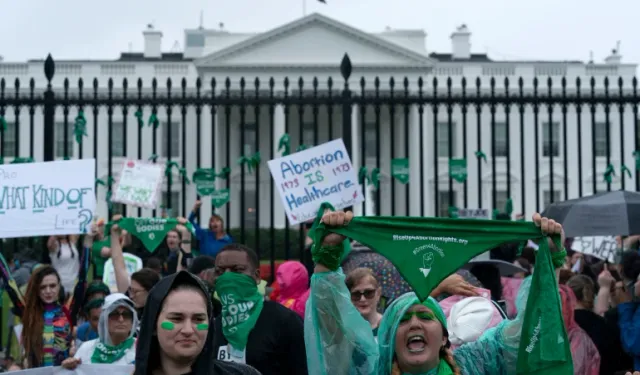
[
  {"x": 474, "y": 213},
  {"x": 133, "y": 264},
  {"x": 602, "y": 247},
  {"x": 42, "y": 199},
  {"x": 80, "y": 370},
  {"x": 139, "y": 184},
  {"x": 311, "y": 177}
]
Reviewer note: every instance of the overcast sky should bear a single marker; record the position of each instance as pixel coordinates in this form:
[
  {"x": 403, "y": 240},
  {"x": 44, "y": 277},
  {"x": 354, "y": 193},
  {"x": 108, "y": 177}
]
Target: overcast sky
[{"x": 506, "y": 29}]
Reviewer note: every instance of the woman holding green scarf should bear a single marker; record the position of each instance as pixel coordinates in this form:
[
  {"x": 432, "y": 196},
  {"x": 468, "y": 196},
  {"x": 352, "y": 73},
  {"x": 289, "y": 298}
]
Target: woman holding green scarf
[
  {"x": 115, "y": 344},
  {"x": 413, "y": 337}
]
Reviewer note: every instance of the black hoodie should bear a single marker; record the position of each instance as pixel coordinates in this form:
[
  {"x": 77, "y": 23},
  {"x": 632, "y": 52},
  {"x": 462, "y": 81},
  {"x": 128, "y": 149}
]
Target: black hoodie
[{"x": 147, "y": 346}]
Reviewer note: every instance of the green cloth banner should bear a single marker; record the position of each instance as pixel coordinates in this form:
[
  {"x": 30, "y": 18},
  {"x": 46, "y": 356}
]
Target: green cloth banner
[
  {"x": 150, "y": 231},
  {"x": 220, "y": 197},
  {"x": 427, "y": 250},
  {"x": 400, "y": 170},
  {"x": 458, "y": 169}
]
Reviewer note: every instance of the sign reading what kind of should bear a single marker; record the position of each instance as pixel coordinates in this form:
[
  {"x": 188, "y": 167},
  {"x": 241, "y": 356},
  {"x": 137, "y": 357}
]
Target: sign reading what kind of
[
  {"x": 139, "y": 184},
  {"x": 602, "y": 247},
  {"x": 43, "y": 199},
  {"x": 320, "y": 174}
]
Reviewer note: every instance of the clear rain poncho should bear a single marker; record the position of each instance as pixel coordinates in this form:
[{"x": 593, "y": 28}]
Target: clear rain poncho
[{"x": 345, "y": 342}]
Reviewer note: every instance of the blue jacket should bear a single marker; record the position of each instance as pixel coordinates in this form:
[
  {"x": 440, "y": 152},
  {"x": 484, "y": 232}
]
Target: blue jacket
[
  {"x": 629, "y": 323},
  {"x": 209, "y": 244}
]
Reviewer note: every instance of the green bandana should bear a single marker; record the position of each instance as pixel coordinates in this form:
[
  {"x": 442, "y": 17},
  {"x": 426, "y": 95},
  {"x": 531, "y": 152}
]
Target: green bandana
[
  {"x": 427, "y": 250},
  {"x": 96, "y": 256},
  {"x": 150, "y": 231},
  {"x": 241, "y": 307},
  {"x": 544, "y": 345},
  {"x": 109, "y": 354}
]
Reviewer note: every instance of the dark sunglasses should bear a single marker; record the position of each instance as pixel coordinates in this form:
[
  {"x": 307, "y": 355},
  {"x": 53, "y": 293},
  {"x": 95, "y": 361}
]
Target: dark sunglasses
[
  {"x": 126, "y": 315},
  {"x": 368, "y": 294},
  {"x": 421, "y": 315}
]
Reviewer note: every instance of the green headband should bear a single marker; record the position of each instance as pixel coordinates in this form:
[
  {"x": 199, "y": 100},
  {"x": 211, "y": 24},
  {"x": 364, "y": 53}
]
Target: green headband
[{"x": 433, "y": 305}]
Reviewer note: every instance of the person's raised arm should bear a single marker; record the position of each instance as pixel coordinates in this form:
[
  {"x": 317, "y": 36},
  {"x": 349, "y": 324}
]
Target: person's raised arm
[
  {"x": 117, "y": 257},
  {"x": 192, "y": 219},
  {"x": 52, "y": 244}
]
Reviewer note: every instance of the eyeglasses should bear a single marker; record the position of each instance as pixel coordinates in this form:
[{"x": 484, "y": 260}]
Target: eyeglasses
[
  {"x": 357, "y": 295},
  {"x": 133, "y": 292},
  {"x": 421, "y": 315},
  {"x": 126, "y": 315}
]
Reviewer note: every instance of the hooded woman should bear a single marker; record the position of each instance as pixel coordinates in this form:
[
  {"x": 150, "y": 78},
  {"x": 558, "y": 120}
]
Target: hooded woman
[
  {"x": 115, "y": 344},
  {"x": 175, "y": 332},
  {"x": 293, "y": 279}
]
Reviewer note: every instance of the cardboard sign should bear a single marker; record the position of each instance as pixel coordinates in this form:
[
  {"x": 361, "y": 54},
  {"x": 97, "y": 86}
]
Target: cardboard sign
[
  {"x": 602, "y": 247},
  {"x": 133, "y": 264},
  {"x": 139, "y": 184},
  {"x": 320, "y": 174},
  {"x": 44, "y": 199}
]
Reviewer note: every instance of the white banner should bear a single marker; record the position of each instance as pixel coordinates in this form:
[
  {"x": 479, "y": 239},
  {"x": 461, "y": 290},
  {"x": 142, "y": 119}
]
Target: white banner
[
  {"x": 474, "y": 213},
  {"x": 139, "y": 184},
  {"x": 603, "y": 247},
  {"x": 311, "y": 177},
  {"x": 80, "y": 370},
  {"x": 133, "y": 264},
  {"x": 43, "y": 199}
]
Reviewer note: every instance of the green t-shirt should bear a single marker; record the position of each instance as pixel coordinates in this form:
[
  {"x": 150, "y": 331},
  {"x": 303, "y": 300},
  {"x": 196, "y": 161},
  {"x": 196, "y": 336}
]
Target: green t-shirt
[{"x": 97, "y": 259}]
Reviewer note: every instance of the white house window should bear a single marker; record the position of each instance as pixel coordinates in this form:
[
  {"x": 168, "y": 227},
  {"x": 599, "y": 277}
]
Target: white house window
[
  {"x": 170, "y": 131},
  {"x": 370, "y": 140},
  {"x": 250, "y": 214},
  {"x": 250, "y": 136},
  {"x": 9, "y": 146},
  {"x": 546, "y": 197},
  {"x": 195, "y": 40},
  {"x": 550, "y": 139},
  {"x": 117, "y": 139},
  {"x": 443, "y": 202},
  {"x": 600, "y": 138},
  {"x": 443, "y": 139},
  {"x": 500, "y": 137},
  {"x": 175, "y": 203},
  {"x": 59, "y": 137},
  {"x": 308, "y": 134}
]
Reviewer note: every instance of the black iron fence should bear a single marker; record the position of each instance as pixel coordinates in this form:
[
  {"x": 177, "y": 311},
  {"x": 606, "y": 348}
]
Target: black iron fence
[{"x": 470, "y": 143}]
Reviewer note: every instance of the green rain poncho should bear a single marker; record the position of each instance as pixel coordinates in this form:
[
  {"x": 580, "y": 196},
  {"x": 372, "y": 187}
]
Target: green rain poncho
[{"x": 339, "y": 341}]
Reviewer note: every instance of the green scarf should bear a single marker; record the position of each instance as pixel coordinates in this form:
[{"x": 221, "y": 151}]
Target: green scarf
[
  {"x": 150, "y": 231},
  {"x": 108, "y": 354},
  {"x": 427, "y": 250},
  {"x": 442, "y": 369},
  {"x": 241, "y": 307}
]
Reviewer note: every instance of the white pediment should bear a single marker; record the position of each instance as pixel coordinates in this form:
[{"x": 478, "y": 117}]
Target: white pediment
[{"x": 314, "y": 40}]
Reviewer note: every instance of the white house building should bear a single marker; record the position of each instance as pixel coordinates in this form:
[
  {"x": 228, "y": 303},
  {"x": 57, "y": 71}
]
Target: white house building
[{"x": 314, "y": 46}]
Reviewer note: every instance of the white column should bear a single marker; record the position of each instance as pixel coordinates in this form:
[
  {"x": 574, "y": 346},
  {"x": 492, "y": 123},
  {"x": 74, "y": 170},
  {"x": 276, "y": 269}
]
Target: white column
[
  {"x": 415, "y": 172},
  {"x": 278, "y": 131},
  {"x": 356, "y": 143}
]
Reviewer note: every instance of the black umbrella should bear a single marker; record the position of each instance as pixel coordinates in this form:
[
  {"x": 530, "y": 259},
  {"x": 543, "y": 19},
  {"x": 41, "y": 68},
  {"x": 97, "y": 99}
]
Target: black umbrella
[{"x": 615, "y": 213}]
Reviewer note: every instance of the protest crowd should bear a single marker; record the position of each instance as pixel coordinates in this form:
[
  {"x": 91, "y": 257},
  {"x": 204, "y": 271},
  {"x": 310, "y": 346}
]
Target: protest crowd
[{"x": 372, "y": 295}]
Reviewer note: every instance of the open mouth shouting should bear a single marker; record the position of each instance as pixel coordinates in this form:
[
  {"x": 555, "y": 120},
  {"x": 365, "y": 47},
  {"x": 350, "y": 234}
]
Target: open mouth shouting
[{"x": 416, "y": 343}]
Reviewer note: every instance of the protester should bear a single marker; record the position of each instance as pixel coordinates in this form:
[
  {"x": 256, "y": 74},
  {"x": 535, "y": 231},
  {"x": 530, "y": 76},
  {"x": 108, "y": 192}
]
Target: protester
[
  {"x": 293, "y": 280},
  {"x": 178, "y": 241},
  {"x": 586, "y": 358},
  {"x": 64, "y": 257},
  {"x": 174, "y": 337},
  {"x": 47, "y": 329},
  {"x": 115, "y": 344},
  {"x": 341, "y": 341},
  {"x": 365, "y": 294},
  {"x": 266, "y": 335},
  {"x": 627, "y": 297},
  {"x": 89, "y": 329},
  {"x": 213, "y": 238}
]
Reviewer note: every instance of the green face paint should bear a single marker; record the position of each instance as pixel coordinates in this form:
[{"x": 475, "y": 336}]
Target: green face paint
[
  {"x": 202, "y": 326},
  {"x": 169, "y": 326}
]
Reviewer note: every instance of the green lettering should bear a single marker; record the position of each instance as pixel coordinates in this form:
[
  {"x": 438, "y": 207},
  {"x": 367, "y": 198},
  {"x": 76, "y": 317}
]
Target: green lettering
[{"x": 37, "y": 196}]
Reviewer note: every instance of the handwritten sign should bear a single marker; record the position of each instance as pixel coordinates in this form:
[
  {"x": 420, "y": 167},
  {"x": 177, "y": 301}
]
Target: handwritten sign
[
  {"x": 603, "y": 247},
  {"x": 133, "y": 264},
  {"x": 100, "y": 369},
  {"x": 42, "y": 199},
  {"x": 139, "y": 184},
  {"x": 320, "y": 174}
]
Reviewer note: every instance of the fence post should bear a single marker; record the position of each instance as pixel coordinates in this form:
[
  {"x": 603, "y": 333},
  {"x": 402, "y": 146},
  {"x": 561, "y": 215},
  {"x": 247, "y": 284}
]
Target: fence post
[
  {"x": 345, "y": 71},
  {"x": 49, "y": 111}
]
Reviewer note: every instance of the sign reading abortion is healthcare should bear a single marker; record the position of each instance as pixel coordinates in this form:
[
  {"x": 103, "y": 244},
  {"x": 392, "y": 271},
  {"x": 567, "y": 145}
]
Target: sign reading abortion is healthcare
[
  {"x": 42, "y": 199},
  {"x": 320, "y": 174}
]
